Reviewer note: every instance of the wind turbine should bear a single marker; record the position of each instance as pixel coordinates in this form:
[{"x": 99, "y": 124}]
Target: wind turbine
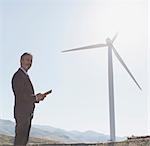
[{"x": 109, "y": 44}]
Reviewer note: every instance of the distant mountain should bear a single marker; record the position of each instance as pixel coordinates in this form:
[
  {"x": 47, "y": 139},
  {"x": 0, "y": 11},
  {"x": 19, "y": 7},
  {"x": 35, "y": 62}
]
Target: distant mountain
[
  {"x": 71, "y": 136},
  {"x": 7, "y": 127}
]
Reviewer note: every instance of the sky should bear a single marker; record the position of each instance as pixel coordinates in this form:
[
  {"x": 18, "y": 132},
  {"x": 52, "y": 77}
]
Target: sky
[{"x": 78, "y": 79}]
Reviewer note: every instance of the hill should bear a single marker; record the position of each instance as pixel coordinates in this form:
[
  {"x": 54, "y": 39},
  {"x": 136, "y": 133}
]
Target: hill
[{"x": 7, "y": 128}]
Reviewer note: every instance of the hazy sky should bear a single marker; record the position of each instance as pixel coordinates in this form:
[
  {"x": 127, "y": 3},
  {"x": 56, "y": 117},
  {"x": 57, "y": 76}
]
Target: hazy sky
[{"x": 79, "y": 79}]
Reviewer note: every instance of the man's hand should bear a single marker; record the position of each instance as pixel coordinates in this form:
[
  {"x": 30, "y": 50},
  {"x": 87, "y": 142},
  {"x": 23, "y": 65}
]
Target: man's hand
[{"x": 40, "y": 97}]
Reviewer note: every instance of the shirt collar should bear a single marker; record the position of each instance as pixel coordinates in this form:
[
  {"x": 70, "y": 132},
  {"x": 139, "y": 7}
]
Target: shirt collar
[{"x": 24, "y": 70}]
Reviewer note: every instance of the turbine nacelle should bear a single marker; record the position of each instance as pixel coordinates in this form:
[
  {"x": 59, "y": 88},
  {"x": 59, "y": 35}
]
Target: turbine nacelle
[{"x": 108, "y": 41}]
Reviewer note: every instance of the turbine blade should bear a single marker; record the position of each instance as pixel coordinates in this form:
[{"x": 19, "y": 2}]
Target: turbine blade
[
  {"x": 86, "y": 47},
  {"x": 114, "y": 37},
  {"x": 125, "y": 66}
]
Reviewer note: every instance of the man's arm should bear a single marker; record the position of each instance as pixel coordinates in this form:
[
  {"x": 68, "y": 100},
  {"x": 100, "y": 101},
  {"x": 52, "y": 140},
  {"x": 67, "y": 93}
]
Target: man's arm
[{"x": 20, "y": 91}]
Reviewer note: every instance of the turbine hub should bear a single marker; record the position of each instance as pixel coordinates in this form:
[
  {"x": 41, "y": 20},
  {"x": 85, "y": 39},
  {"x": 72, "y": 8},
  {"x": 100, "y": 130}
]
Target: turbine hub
[{"x": 108, "y": 41}]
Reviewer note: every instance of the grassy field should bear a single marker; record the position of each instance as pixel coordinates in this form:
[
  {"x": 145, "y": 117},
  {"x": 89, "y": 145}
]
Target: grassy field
[{"x": 8, "y": 140}]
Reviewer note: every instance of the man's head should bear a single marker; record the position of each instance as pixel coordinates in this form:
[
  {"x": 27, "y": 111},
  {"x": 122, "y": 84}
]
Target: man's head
[{"x": 26, "y": 61}]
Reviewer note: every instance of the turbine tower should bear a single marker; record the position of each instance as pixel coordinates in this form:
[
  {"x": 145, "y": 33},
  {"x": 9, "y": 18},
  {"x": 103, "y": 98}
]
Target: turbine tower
[{"x": 109, "y": 44}]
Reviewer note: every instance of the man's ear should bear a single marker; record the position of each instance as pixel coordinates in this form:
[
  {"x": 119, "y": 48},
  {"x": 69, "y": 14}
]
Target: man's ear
[{"x": 21, "y": 61}]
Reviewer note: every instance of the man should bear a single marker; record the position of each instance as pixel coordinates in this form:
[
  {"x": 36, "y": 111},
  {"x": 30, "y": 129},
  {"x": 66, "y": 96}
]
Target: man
[{"x": 25, "y": 100}]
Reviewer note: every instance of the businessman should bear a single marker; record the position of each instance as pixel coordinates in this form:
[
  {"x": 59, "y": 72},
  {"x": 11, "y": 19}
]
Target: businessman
[{"x": 25, "y": 100}]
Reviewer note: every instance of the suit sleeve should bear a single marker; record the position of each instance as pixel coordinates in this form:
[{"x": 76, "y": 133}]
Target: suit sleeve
[{"x": 22, "y": 92}]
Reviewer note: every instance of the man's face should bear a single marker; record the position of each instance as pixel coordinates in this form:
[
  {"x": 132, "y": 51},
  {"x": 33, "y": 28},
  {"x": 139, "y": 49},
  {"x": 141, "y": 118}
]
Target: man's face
[{"x": 26, "y": 62}]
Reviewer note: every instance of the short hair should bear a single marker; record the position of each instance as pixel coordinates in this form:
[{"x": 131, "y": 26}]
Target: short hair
[{"x": 24, "y": 54}]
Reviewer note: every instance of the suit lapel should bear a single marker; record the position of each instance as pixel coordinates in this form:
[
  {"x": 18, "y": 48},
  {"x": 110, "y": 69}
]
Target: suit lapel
[{"x": 26, "y": 77}]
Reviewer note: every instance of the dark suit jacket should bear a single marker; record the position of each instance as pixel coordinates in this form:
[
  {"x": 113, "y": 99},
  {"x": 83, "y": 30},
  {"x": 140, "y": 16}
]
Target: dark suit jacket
[{"x": 23, "y": 91}]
